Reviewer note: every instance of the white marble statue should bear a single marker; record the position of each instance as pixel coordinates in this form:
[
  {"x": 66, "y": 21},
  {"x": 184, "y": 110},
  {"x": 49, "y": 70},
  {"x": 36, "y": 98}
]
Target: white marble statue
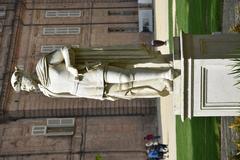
[{"x": 57, "y": 76}]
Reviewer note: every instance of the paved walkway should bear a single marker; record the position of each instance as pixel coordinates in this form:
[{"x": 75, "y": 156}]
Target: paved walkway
[
  {"x": 161, "y": 23},
  {"x": 167, "y": 125}
]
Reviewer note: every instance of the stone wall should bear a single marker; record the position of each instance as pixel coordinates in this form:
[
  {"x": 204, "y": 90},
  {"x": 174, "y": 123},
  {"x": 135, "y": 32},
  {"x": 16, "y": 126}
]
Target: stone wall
[
  {"x": 112, "y": 137},
  {"x": 6, "y": 37}
]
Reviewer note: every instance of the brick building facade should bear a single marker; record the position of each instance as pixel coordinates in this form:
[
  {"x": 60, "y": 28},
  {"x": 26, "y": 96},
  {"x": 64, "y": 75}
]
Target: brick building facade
[{"x": 30, "y": 29}]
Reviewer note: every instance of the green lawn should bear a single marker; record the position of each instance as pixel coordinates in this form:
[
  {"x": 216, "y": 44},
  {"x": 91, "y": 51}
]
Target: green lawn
[
  {"x": 199, "y": 16},
  {"x": 198, "y": 138}
]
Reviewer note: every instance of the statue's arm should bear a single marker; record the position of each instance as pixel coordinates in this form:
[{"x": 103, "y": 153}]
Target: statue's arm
[
  {"x": 63, "y": 95},
  {"x": 48, "y": 93},
  {"x": 62, "y": 56},
  {"x": 60, "y": 95}
]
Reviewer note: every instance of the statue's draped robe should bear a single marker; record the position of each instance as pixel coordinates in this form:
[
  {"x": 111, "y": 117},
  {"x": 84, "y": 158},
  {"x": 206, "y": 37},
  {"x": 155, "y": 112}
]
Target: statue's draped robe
[
  {"x": 91, "y": 86},
  {"x": 86, "y": 60}
]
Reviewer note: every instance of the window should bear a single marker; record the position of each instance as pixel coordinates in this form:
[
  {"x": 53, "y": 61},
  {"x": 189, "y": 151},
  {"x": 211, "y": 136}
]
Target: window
[
  {"x": 39, "y": 130},
  {"x": 63, "y": 13},
  {"x": 50, "y": 48},
  {"x": 122, "y": 29},
  {"x": 61, "y": 30},
  {"x": 145, "y": 20},
  {"x": 145, "y": 5},
  {"x": 60, "y": 126},
  {"x": 60, "y": 122},
  {"x": 2, "y": 11},
  {"x": 55, "y": 127},
  {"x": 122, "y": 13}
]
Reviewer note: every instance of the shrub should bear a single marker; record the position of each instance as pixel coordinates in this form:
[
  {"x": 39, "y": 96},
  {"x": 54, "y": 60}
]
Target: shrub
[
  {"x": 235, "y": 28},
  {"x": 236, "y": 68},
  {"x": 98, "y": 157},
  {"x": 236, "y": 126}
]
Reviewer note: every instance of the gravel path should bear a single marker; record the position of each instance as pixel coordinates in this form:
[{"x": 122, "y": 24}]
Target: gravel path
[
  {"x": 231, "y": 17},
  {"x": 231, "y": 14},
  {"x": 228, "y": 136}
]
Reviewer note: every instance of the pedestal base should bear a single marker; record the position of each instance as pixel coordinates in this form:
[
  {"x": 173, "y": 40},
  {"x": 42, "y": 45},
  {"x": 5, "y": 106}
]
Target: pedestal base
[{"x": 205, "y": 87}]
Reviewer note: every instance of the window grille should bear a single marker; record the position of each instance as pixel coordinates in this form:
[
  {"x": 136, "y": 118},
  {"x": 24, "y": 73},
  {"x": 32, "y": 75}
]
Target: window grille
[
  {"x": 55, "y": 127},
  {"x": 122, "y": 29},
  {"x": 61, "y": 31},
  {"x": 75, "y": 13},
  {"x": 48, "y": 31},
  {"x": 54, "y": 122},
  {"x": 122, "y": 13},
  {"x": 50, "y": 48},
  {"x": 63, "y": 13},
  {"x": 61, "y": 122},
  {"x": 51, "y": 14},
  {"x": 2, "y": 11},
  {"x": 39, "y": 130}
]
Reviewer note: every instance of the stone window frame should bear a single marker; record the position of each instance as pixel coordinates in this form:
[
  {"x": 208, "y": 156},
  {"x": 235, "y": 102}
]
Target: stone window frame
[
  {"x": 61, "y": 30},
  {"x": 60, "y": 126},
  {"x": 52, "y": 47},
  {"x": 62, "y": 13},
  {"x": 55, "y": 127},
  {"x": 60, "y": 122},
  {"x": 122, "y": 12},
  {"x": 39, "y": 130},
  {"x": 123, "y": 29}
]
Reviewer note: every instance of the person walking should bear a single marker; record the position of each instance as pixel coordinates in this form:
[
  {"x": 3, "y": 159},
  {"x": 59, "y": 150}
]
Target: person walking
[{"x": 151, "y": 137}]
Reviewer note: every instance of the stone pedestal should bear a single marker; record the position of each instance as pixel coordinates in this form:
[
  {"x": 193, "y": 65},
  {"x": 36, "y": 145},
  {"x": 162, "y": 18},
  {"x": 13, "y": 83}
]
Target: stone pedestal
[{"x": 205, "y": 87}]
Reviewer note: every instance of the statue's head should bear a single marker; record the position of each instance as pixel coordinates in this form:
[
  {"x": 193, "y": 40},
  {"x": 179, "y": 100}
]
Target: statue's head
[{"x": 22, "y": 81}]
